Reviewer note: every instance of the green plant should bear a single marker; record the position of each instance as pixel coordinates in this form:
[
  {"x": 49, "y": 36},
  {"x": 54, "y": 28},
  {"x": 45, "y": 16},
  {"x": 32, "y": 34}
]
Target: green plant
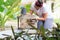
[
  {"x": 28, "y": 7},
  {"x": 57, "y": 20},
  {"x": 12, "y": 7},
  {"x": 40, "y": 31}
]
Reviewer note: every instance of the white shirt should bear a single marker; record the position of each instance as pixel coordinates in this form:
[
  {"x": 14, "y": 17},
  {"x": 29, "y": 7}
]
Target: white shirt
[{"x": 42, "y": 10}]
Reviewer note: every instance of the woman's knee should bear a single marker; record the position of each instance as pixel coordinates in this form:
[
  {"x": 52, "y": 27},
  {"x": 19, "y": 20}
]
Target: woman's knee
[{"x": 48, "y": 24}]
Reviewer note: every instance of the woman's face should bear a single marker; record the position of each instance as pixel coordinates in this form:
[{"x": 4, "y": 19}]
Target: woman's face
[{"x": 37, "y": 7}]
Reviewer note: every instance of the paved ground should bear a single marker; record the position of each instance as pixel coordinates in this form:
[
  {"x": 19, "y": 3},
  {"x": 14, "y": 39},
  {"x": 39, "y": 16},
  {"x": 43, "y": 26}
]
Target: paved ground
[{"x": 10, "y": 23}]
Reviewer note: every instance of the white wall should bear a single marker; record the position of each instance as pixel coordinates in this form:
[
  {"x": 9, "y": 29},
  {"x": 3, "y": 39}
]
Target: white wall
[{"x": 27, "y": 1}]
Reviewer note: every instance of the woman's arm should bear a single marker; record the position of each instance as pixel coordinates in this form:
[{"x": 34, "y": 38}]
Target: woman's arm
[{"x": 43, "y": 18}]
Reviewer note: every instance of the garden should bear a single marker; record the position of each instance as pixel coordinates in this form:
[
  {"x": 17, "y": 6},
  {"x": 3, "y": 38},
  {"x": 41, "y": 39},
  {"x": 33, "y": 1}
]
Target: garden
[{"x": 15, "y": 26}]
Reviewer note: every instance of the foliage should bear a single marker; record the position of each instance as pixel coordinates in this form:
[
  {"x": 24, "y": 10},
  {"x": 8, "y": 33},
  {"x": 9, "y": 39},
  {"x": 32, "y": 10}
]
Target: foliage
[
  {"x": 28, "y": 7},
  {"x": 12, "y": 7},
  {"x": 57, "y": 21},
  {"x": 40, "y": 31},
  {"x": 1, "y": 8},
  {"x": 45, "y": 36}
]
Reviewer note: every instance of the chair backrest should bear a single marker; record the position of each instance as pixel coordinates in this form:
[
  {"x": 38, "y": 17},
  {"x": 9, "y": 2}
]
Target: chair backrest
[{"x": 22, "y": 21}]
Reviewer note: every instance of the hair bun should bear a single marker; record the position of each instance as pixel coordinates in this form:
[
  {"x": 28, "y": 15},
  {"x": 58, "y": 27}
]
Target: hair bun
[{"x": 39, "y": 4}]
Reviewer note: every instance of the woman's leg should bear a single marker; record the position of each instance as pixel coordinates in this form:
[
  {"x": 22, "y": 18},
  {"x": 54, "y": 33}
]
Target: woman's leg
[
  {"x": 39, "y": 24},
  {"x": 48, "y": 24}
]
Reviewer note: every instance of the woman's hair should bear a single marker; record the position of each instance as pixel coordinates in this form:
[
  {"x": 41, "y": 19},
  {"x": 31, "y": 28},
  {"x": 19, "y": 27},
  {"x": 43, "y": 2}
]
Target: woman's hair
[{"x": 39, "y": 4}]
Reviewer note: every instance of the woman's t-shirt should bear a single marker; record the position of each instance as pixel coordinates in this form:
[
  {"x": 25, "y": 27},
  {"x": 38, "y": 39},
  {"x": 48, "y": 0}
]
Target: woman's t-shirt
[{"x": 42, "y": 10}]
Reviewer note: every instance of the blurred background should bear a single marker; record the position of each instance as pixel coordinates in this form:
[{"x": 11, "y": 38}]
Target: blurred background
[{"x": 10, "y": 9}]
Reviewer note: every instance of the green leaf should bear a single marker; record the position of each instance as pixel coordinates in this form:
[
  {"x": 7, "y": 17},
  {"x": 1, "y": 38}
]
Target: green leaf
[
  {"x": 1, "y": 9},
  {"x": 9, "y": 14},
  {"x": 28, "y": 7},
  {"x": 1, "y": 2}
]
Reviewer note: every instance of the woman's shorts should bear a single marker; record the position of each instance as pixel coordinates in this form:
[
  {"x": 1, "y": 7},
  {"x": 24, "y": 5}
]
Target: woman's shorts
[{"x": 47, "y": 24}]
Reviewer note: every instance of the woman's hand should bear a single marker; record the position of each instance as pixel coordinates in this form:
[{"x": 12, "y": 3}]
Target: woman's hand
[{"x": 43, "y": 18}]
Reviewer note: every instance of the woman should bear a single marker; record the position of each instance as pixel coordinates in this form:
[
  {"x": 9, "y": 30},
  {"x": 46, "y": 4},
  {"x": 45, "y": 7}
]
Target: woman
[{"x": 45, "y": 17}]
